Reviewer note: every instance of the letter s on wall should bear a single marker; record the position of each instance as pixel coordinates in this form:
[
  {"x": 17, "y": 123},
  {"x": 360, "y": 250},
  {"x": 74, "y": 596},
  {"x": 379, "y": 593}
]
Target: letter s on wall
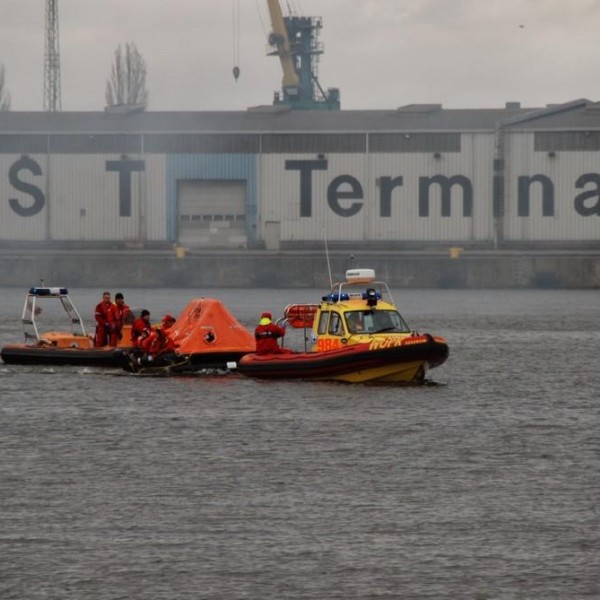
[{"x": 38, "y": 196}]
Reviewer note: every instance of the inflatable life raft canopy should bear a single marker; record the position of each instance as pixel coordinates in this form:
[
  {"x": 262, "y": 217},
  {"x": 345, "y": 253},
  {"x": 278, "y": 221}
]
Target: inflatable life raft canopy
[{"x": 205, "y": 325}]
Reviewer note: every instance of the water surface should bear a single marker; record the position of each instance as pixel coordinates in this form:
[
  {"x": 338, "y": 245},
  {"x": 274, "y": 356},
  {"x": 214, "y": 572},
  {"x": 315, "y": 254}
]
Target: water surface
[{"x": 484, "y": 486}]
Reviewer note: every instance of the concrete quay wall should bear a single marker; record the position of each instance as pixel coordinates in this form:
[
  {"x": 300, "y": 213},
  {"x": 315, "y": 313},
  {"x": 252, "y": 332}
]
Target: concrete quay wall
[{"x": 143, "y": 268}]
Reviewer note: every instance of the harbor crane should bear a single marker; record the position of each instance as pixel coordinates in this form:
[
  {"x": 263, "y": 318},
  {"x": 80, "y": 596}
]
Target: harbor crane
[{"x": 294, "y": 40}]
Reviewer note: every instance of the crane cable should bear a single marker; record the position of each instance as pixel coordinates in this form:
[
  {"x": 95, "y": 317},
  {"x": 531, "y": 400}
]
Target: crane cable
[
  {"x": 295, "y": 8},
  {"x": 236, "y": 38},
  {"x": 260, "y": 18}
]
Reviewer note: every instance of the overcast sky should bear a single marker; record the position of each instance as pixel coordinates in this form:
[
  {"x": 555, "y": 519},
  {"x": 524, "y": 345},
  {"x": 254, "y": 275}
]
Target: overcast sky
[{"x": 379, "y": 53}]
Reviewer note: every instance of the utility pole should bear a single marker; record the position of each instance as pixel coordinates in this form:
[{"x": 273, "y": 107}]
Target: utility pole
[{"x": 52, "y": 102}]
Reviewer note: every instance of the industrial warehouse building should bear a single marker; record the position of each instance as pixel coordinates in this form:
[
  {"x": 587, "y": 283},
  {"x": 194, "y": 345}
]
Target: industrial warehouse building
[{"x": 275, "y": 178}]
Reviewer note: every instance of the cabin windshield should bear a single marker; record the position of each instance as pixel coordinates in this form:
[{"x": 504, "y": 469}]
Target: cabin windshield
[{"x": 377, "y": 321}]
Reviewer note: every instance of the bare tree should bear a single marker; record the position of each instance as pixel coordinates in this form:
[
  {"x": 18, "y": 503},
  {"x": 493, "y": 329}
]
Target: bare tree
[
  {"x": 127, "y": 83},
  {"x": 4, "y": 93}
]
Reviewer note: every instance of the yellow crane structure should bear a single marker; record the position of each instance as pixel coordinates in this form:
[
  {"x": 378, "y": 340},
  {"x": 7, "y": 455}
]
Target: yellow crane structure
[{"x": 295, "y": 41}]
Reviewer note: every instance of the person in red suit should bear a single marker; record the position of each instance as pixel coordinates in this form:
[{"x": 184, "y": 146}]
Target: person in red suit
[
  {"x": 157, "y": 342},
  {"x": 141, "y": 328},
  {"x": 105, "y": 320},
  {"x": 167, "y": 322},
  {"x": 266, "y": 335},
  {"x": 122, "y": 315}
]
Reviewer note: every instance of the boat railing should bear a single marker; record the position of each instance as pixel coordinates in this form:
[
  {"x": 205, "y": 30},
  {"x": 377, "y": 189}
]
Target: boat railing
[{"x": 31, "y": 310}]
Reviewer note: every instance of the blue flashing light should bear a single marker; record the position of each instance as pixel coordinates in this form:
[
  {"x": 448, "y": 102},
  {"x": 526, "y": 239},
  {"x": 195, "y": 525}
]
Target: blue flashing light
[
  {"x": 45, "y": 291},
  {"x": 344, "y": 297}
]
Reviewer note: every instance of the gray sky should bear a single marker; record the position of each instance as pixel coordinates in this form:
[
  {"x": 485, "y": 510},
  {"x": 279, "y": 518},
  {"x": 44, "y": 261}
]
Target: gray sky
[{"x": 379, "y": 53}]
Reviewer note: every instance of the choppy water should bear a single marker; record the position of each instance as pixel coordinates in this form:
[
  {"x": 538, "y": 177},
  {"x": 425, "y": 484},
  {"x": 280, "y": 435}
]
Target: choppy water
[{"x": 483, "y": 487}]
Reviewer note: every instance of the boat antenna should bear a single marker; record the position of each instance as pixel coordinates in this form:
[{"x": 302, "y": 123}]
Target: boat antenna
[{"x": 327, "y": 256}]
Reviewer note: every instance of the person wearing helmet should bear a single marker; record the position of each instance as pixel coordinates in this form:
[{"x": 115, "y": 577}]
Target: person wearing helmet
[
  {"x": 266, "y": 335},
  {"x": 167, "y": 322}
]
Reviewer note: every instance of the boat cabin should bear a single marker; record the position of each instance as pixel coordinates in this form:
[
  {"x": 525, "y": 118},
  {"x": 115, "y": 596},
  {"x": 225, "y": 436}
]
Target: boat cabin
[{"x": 354, "y": 311}]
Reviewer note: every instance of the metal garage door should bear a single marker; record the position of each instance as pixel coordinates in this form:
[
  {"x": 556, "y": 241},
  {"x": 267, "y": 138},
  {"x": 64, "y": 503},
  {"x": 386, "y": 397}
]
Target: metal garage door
[{"x": 212, "y": 213}]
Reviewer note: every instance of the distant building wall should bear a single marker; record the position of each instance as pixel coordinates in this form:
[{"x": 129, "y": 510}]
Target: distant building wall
[
  {"x": 82, "y": 198},
  {"x": 293, "y": 187},
  {"x": 553, "y": 195},
  {"x": 404, "y": 196}
]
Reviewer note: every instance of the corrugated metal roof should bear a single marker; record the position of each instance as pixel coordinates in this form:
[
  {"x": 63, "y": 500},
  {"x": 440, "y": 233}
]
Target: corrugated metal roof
[
  {"x": 260, "y": 119},
  {"x": 576, "y": 114}
]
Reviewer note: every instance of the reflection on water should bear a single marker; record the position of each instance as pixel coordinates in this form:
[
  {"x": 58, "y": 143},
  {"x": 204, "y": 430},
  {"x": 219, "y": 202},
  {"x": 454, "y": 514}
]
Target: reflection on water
[{"x": 115, "y": 486}]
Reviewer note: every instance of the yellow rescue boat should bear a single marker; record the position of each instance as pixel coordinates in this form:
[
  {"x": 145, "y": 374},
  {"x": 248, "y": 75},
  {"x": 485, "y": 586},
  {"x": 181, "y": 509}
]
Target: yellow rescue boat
[{"x": 357, "y": 336}]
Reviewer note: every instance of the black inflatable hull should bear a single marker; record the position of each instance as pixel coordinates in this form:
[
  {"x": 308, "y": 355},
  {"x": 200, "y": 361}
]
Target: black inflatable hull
[
  {"x": 82, "y": 357},
  {"x": 135, "y": 361},
  {"x": 105, "y": 357}
]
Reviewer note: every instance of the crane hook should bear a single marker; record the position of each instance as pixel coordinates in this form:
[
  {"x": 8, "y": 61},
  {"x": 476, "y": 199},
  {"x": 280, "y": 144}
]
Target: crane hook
[{"x": 236, "y": 72}]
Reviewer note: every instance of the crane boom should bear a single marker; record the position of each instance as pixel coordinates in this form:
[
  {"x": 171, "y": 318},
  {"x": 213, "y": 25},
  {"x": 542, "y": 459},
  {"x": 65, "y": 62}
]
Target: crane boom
[
  {"x": 279, "y": 38},
  {"x": 294, "y": 39}
]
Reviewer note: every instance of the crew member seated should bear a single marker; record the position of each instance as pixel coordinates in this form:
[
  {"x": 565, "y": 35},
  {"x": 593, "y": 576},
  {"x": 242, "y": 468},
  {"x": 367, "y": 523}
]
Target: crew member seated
[
  {"x": 355, "y": 322},
  {"x": 167, "y": 322},
  {"x": 141, "y": 328},
  {"x": 157, "y": 342}
]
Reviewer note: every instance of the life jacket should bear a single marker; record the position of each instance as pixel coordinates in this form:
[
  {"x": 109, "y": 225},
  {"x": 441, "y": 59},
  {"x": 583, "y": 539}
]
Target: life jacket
[
  {"x": 121, "y": 314},
  {"x": 138, "y": 329},
  {"x": 157, "y": 343}
]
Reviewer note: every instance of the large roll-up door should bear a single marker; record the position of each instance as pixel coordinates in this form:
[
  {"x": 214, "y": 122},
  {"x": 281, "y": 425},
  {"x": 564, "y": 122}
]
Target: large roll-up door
[{"x": 212, "y": 213}]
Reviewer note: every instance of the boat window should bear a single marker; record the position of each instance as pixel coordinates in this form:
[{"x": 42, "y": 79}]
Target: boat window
[
  {"x": 335, "y": 324},
  {"x": 368, "y": 321},
  {"x": 323, "y": 320},
  {"x": 388, "y": 320},
  {"x": 355, "y": 321}
]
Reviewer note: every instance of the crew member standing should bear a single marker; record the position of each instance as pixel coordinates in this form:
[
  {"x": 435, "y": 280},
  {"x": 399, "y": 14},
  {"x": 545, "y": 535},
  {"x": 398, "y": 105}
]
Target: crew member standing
[
  {"x": 266, "y": 334},
  {"x": 122, "y": 315},
  {"x": 105, "y": 320}
]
